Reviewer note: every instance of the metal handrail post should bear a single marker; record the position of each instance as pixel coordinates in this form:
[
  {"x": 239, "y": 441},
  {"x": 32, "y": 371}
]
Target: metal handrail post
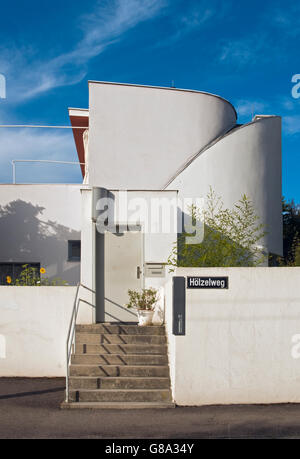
[
  {"x": 68, "y": 338},
  {"x": 72, "y": 334}
]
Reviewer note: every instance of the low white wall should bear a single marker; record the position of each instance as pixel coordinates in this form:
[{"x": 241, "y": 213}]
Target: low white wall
[
  {"x": 238, "y": 343},
  {"x": 33, "y": 330}
]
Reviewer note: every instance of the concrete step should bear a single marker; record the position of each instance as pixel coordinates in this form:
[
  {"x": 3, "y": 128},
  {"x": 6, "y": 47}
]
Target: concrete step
[
  {"x": 119, "y": 366},
  {"x": 118, "y": 395},
  {"x": 157, "y": 349},
  {"x": 116, "y": 406},
  {"x": 119, "y": 359},
  {"x": 95, "y": 338},
  {"x": 120, "y": 329},
  {"x": 122, "y": 370},
  {"x": 85, "y": 382}
]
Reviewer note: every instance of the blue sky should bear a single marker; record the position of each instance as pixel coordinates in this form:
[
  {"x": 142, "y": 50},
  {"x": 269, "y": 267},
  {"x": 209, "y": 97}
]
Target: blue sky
[{"x": 246, "y": 52}]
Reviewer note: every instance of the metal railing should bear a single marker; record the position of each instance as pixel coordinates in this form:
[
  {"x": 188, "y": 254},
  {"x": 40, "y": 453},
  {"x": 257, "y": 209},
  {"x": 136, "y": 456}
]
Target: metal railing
[
  {"x": 71, "y": 341},
  {"x": 15, "y": 161}
]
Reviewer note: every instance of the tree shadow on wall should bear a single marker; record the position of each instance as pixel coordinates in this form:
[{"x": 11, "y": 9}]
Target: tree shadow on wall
[{"x": 26, "y": 237}]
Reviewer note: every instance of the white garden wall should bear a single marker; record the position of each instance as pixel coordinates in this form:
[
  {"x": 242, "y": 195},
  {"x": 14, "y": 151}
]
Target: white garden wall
[
  {"x": 34, "y": 322},
  {"x": 238, "y": 344}
]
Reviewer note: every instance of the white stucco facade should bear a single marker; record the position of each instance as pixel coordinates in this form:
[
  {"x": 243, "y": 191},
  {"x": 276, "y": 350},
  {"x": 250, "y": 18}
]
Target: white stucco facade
[
  {"x": 36, "y": 223},
  {"x": 159, "y": 231},
  {"x": 139, "y": 136}
]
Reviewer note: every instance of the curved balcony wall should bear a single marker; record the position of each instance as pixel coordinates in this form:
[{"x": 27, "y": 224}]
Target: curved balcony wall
[
  {"x": 140, "y": 136},
  {"x": 247, "y": 160}
]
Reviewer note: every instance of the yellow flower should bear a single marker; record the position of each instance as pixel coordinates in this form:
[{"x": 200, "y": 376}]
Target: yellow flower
[
  {"x": 42, "y": 271},
  {"x": 8, "y": 279}
]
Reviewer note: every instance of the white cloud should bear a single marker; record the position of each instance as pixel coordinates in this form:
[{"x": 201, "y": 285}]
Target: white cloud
[
  {"x": 286, "y": 18},
  {"x": 258, "y": 44},
  {"x": 102, "y": 27},
  {"x": 245, "y": 50},
  {"x": 291, "y": 125},
  {"x": 287, "y": 103},
  {"x": 200, "y": 16},
  {"x": 38, "y": 144},
  {"x": 247, "y": 108},
  {"x": 197, "y": 17}
]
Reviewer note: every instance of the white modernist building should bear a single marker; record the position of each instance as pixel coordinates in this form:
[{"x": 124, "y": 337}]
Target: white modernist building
[
  {"x": 160, "y": 145},
  {"x": 146, "y": 154}
]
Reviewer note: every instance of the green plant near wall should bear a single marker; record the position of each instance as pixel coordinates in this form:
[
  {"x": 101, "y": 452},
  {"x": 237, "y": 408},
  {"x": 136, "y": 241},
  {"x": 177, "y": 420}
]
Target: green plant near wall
[
  {"x": 293, "y": 257},
  {"x": 30, "y": 277},
  {"x": 144, "y": 300},
  {"x": 231, "y": 237}
]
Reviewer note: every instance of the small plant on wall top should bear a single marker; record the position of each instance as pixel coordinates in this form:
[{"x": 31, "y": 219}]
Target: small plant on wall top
[{"x": 30, "y": 277}]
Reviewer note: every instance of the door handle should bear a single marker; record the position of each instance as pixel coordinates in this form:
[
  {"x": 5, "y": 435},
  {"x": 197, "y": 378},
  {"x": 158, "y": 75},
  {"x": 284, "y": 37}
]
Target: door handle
[{"x": 138, "y": 272}]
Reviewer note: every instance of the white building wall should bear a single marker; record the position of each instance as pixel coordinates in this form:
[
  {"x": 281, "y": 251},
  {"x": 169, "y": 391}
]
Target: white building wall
[
  {"x": 139, "y": 136},
  {"x": 246, "y": 161},
  {"x": 239, "y": 344},
  {"x": 87, "y": 311},
  {"x": 158, "y": 241},
  {"x": 36, "y": 222}
]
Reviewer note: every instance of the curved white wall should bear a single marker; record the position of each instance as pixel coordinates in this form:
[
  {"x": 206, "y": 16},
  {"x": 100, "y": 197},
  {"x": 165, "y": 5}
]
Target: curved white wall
[
  {"x": 248, "y": 160},
  {"x": 140, "y": 136}
]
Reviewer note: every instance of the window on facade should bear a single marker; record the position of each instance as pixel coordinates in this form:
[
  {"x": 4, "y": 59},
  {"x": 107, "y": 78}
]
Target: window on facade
[
  {"x": 13, "y": 270},
  {"x": 74, "y": 250}
]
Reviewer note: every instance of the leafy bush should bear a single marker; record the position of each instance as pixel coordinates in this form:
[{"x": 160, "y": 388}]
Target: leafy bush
[
  {"x": 231, "y": 237},
  {"x": 144, "y": 300}
]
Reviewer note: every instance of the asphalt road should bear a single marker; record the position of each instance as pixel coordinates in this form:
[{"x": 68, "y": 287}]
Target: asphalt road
[{"x": 30, "y": 408}]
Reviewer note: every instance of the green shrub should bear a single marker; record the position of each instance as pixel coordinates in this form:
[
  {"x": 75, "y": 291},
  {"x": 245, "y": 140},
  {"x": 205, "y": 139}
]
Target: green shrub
[
  {"x": 144, "y": 300},
  {"x": 231, "y": 237}
]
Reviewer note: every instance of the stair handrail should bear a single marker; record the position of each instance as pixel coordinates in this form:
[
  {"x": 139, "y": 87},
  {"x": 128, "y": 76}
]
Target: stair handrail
[{"x": 72, "y": 332}]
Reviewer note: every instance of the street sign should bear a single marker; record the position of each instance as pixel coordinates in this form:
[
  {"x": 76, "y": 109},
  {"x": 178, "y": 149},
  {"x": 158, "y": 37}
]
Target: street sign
[{"x": 200, "y": 282}]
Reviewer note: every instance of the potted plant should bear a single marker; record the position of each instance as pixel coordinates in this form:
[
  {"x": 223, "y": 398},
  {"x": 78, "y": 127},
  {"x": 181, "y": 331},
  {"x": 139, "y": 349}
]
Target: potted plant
[{"x": 144, "y": 302}]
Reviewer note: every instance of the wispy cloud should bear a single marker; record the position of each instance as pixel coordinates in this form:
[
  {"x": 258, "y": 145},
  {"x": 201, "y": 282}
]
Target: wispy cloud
[
  {"x": 198, "y": 17},
  {"x": 287, "y": 103},
  {"x": 269, "y": 38},
  {"x": 245, "y": 50},
  {"x": 291, "y": 125},
  {"x": 247, "y": 108},
  {"x": 286, "y": 18},
  {"x": 105, "y": 25},
  {"x": 279, "y": 105}
]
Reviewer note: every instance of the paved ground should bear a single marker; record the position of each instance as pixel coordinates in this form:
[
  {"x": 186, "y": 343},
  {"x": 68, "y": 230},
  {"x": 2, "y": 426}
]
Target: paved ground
[{"x": 30, "y": 409}]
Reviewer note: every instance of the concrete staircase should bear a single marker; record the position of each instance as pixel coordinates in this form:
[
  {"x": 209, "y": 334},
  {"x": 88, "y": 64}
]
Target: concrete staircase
[{"x": 119, "y": 366}]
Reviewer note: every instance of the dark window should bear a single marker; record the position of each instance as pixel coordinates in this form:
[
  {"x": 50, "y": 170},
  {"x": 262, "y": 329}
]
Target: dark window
[
  {"x": 74, "y": 250},
  {"x": 13, "y": 270}
]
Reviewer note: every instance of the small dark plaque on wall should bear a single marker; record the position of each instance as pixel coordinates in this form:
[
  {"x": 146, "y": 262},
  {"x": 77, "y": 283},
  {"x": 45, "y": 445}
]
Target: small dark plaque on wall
[{"x": 221, "y": 283}]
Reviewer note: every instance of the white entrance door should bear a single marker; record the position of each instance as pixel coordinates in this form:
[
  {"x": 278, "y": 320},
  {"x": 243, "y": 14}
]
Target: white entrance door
[{"x": 122, "y": 263}]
